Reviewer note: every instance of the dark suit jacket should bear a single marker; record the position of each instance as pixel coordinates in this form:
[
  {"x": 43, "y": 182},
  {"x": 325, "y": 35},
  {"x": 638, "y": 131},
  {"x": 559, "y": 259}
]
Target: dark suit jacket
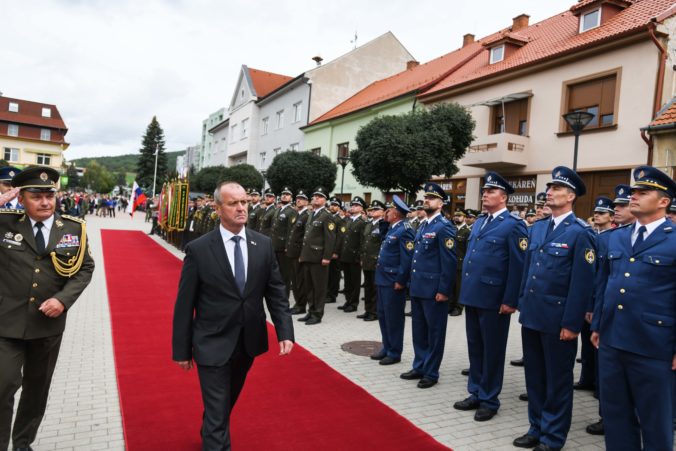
[{"x": 210, "y": 313}]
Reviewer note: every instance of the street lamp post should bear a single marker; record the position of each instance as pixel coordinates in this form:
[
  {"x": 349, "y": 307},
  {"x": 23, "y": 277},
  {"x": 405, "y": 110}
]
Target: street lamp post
[
  {"x": 342, "y": 161},
  {"x": 577, "y": 121},
  {"x": 157, "y": 152}
]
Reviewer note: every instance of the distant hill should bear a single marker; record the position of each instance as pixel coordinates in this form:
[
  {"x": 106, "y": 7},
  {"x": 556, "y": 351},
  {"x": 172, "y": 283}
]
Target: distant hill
[{"x": 123, "y": 163}]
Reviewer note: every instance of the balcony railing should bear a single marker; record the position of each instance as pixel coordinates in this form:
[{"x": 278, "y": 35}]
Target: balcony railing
[{"x": 502, "y": 150}]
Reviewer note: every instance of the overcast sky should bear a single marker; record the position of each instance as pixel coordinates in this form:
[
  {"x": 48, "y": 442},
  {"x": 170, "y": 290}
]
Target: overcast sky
[{"x": 109, "y": 66}]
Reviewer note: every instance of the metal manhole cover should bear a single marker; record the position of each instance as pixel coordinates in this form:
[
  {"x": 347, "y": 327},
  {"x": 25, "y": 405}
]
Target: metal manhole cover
[{"x": 363, "y": 348}]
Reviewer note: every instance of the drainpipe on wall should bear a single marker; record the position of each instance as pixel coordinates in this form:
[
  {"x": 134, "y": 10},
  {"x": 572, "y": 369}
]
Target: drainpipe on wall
[{"x": 657, "y": 102}]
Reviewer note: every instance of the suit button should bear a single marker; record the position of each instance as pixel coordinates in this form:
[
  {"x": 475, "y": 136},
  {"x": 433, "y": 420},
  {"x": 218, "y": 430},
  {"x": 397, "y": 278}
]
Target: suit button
[
  {"x": 622, "y": 290},
  {"x": 541, "y": 251},
  {"x": 626, "y": 274},
  {"x": 37, "y": 270},
  {"x": 414, "y": 261},
  {"x": 466, "y": 274},
  {"x": 537, "y": 264},
  {"x": 632, "y": 259},
  {"x": 620, "y": 307},
  {"x": 531, "y": 290},
  {"x": 32, "y": 299},
  {"x": 659, "y": 322},
  {"x": 35, "y": 284},
  {"x": 657, "y": 262},
  {"x": 414, "y": 270}
]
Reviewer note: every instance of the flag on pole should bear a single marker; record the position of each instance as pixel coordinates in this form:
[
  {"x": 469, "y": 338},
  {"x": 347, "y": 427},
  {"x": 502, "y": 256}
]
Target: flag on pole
[{"x": 138, "y": 197}]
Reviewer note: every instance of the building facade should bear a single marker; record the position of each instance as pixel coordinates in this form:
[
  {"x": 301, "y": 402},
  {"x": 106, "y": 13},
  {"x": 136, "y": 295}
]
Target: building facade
[{"x": 206, "y": 152}]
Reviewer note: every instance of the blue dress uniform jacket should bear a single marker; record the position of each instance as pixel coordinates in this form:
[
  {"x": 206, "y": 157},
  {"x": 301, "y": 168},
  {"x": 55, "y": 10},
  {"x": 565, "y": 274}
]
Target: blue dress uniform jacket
[
  {"x": 558, "y": 279},
  {"x": 636, "y": 318},
  {"x": 394, "y": 265},
  {"x": 491, "y": 276},
  {"x": 434, "y": 260}
]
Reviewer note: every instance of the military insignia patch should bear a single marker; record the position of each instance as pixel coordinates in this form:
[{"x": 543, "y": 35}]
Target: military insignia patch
[
  {"x": 409, "y": 245},
  {"x": 44, "y": 177},
  {"x": 523, "y": 243},
  {"x": 449, "y": 243},
  {"x": 18, "y": 237},
  {"x": 332, "y": 226},
  {"x": 589, "y": 255},
  {"x": 58, "y": 223},
  {"x": 9, "y": 235}
]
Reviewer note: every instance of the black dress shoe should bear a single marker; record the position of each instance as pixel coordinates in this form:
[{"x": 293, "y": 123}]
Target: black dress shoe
[
  {"x": 342, "y": 307},
  {"x": 378, "y": 356},
  {"x": 455, "y": 311},
  {"x": 426, "y": 383},
  {"x": 523, "y": 397},
  {"x": 389, "y": 361},
  {"x": 312, "y": 320},
  {"x": 543, "y": 447},
  {"x": 370, "y": 317},
  {"x": 23, "y": 448},
  {"x": 411, "y": 375},
  {"x": 297, "y": 310},
  {"x": 350, "y": 309},
  {"x": 305, "y": 318},
  {"x": 596, "y": 428},
  {"x": 484, "y": 414},
  {"x": 468, "y": 403},
  {"x": 583, "y": 386},
  {"x": 517, "y": 362},
  {"x": 526, "y": 441},
  {"x": 362, "y": 316},
  {"x": 464, "y": 371}
]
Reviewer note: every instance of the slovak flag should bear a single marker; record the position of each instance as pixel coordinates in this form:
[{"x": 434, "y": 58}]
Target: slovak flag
[{"x": 138, "y": 197}]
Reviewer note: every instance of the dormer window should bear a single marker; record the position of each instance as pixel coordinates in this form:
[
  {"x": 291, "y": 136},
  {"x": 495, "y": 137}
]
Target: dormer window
[
  {"x": 590, "y": 20},
  {"x": 13, "y": 107},
  {"x": 497, "y": 54}
]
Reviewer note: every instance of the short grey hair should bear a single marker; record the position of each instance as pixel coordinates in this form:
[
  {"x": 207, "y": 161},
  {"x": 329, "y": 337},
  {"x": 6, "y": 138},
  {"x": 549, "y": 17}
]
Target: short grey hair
[{"x": 217, "y": 191}]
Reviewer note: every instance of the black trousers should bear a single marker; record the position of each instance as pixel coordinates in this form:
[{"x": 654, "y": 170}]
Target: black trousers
[
  {"x": 221, "y": 386},
  {"x": 298, "y": 284},
  {"x": 352, "y": 272},
  {"x": 37, "y": 358},
  {"x": 315, "y": 279},
  {"x": 588, "y": 356},
  {"x": 285, "y": 270},
  {"x": 370, "y": 292},
  {"x": 334, "y": 280}
]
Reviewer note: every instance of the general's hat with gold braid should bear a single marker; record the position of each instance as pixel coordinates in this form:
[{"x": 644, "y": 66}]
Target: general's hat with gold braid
[
  {"x": 648, "y": 177},
  {"x": 37, "y": 179}
]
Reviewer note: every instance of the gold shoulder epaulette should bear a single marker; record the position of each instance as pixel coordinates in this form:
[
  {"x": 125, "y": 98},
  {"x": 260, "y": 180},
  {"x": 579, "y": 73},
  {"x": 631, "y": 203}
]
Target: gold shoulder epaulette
[
  {"x": 12, "y": 211},
  {"x": 74, "y": 219}
]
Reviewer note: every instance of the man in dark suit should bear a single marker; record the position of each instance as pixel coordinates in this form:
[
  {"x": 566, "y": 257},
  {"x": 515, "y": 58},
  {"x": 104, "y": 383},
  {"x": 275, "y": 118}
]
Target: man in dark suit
[{"x": 219, "y": 320}]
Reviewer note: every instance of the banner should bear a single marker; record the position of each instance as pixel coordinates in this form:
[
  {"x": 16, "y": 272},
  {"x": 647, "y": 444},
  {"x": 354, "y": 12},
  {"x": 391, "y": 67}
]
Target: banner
[{"x": 173, "y": 211}]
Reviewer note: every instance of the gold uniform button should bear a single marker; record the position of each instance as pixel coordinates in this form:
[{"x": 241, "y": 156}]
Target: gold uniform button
[
  {"x": 620, "y": 307},
  {"x": 622, "y": 290},
  {"x": 626, "y": 274},
  {"x": 32, "y": 299},
  {"x": 632, "y": 259},
  {"x": 37, "y": 270},
  {"x": 35, "y": 284}
]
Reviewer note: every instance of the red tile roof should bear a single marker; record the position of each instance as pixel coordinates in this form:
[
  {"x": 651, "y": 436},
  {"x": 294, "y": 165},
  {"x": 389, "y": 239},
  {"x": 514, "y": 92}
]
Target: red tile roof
[
  {"x": 409, "y": 81},
  {"x": 266, "y": 82},
  {"x": 555, "y": 37},
  {"x": 30, "y": 113},
  {"x": 666, "y": 116}
]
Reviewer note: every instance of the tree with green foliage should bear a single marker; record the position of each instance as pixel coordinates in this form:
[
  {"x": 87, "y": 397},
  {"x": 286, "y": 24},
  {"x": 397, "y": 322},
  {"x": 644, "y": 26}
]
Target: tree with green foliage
[
  {"x": 246, "y": 175},
  {"x": 400, "y": 153},
  {"x": 301, "y": 170},
  {"x": 121, "y": 179},
  {"x": 73, "y": 177},
  {"x": 153, "y": 141},
  {"x": 207, "y": 179},
  {"x": 98, "y": 179}
]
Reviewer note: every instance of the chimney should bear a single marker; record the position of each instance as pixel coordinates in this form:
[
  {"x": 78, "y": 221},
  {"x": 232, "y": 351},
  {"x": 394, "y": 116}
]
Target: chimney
[
  {"x": 520, "y": 22},
  {"x": 411, "y": 64},
  {"x": 318, "y": 59},
  {"x": 467, "y": 39}
]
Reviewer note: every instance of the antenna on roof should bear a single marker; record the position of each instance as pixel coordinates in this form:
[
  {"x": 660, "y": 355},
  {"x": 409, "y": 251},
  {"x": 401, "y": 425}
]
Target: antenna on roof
[{"x": 354, "y": 41}]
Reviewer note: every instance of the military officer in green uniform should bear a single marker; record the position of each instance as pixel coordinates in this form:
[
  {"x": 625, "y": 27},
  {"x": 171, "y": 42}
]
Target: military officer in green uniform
[
  {"x": 371, "y": 242},
  {"x": 318, "y": 245},
  {"x": 350, "y": 254},
  {"x": 282, "y": 222},
  {"x": 50, "y": 267},
  {"x": 268, "y": 215},
  {"x": 461, "y": 236},
  {"x": 334, "y": 267},
  {"x": 255, "y": 210},
  {"x": 293, "y": 249}
]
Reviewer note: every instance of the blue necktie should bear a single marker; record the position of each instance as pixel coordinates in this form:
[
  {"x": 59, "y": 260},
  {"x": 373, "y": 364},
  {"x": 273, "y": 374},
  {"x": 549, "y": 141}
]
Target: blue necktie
[
  {"x": 550, "y": 229},
  {"x": 8, "y": 205},
  {"x": 488, "y": 221},
  {"x": 639, "y": 238},
  {"x": 239, "y": 265}
]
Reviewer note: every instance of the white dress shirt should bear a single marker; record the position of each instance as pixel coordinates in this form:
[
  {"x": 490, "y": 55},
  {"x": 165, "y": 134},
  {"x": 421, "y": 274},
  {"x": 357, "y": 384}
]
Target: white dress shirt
[
  {"x": 650, "y": 228},
  {"x": 46, "y": 228},
  {"x": 494, "y": 215},
  {"x": 559, "y": 219},
  {"x": 230, "y": 248}
]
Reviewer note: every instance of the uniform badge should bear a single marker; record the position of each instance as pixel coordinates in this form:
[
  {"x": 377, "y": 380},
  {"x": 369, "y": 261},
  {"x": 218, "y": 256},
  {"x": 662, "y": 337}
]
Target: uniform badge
[
  {"x": 641, "y": 174},
  {"x": 589, "y": 256},
  {"x": 342, "y": 229},
  {"x": 523, "y": 243},
  {"x": 331, "y": 226},
  {"x": 18, "y": 237},
  {"x": 58, "y": 223},
  {"x": 9, "y": 235},
  {"x": 12, "y": 173},
  {"x": 449, "y": 243},
  {"x": 44, "y": 177},
  {"x": 293, "y": 220},
  {"x": 409, "y": 245}
]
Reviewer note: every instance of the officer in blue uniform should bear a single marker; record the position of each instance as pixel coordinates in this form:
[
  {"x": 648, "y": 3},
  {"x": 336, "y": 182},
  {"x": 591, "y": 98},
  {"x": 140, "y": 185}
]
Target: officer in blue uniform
[
  {"x": 554, "y": 296},
  {"x": 491, "y": 277},
  {"x": 432, "y": 283},
  {"x": 672, "y": 210},
  {"x": 635, "y": 318},
  {"x": 7, "y": 173},
  {"x": 393, "y": 271}
]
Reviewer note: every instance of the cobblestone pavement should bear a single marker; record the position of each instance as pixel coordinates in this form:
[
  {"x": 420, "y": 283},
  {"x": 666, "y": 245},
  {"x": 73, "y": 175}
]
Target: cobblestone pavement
[{"x": 83, "y": 412}]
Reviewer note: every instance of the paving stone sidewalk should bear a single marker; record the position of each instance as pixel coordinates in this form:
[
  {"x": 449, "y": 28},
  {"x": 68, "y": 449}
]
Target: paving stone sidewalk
[{"x": 83, "y": 411}]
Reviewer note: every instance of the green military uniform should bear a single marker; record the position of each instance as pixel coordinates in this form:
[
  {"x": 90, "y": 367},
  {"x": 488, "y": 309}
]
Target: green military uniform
[
  {"x": 267, "y": 215},
  {"x": 255, "y": 216},
  {"x": 293, "y": 250},
  {"x": 461, "y": 237},
  {"x": 29, "y": 339},
  {"x": 334, "y": 267},
  {"x": 282, "y": 223},
  {"x": 350, "y": 257},
  {"x": 318, "y": 244},
  {"x": 371, "y": 242}
]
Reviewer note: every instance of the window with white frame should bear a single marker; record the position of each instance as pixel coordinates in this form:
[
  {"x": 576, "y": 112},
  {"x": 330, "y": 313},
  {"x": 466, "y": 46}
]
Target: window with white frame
[
  {"x": 13, "y": 107},
  {"x": 245, "y": 129},
  {"x": 233, "y": 133},
  {"x": 46, "y": 112},
  {"x": 297, "y": 111},
  {"x": 11, "y": 154},
  {"x": 294, "y": 146},
  {"x": 44, "y": 159},
  {"x": 497, "y": 54},
  {"x": 280, "y": 120},
  {"x": 590, "y": 20},
  {"x": 45, "y": 134},
  {"x": 265, "y": 123},
  {"x": 262, "y": 159},
  {"x": 13, "y": 130}
]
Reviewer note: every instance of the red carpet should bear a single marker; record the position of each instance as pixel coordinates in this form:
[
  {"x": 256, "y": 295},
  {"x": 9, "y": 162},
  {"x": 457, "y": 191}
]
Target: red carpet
[{"x": 294, "y": 403}]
